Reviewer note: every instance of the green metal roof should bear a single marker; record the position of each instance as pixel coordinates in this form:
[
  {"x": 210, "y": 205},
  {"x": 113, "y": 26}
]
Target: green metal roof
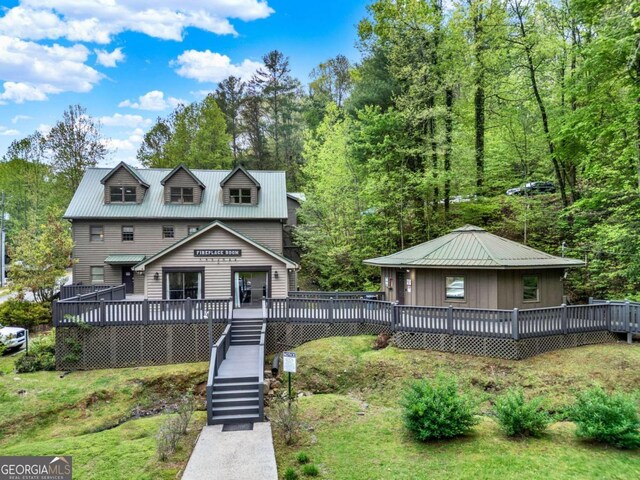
[
  {"x": 122, "y": 259},
  {"x": 88, "y": 201},
  {"x": 473, "y": 247},
  {"x": 144, "y": 262}
]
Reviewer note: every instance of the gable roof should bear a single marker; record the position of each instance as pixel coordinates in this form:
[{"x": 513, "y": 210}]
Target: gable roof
[
  {"x": 189, "y": 172},
  {"x": 131, "y": 171},
  {"x": 88, "y": 201},
  {"x": 234, "y": 171},
  {"x": 297, "y": 197},
  {"x": 473, "y": 247},
  {"x": 141, "y": 266}
]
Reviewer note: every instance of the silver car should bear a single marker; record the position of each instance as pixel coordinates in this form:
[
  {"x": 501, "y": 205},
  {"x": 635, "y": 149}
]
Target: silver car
[{"x": 12, "y": 337}]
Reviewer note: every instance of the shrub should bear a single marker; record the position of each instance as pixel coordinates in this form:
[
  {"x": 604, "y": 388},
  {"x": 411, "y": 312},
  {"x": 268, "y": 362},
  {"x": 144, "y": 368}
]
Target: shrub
[
  {"x": 290, "y": 474},
  {"x": 20, "y": 313},
  {"x": 42, "y": 354},
  {"x": 311, "y": 470},
  {"x": 517, "y": 417},
  {"x": 186, "y": 406},
  {"x": 302, "y": 458},
  {"x": 285, "y": 420},
  {"x": 167, "y": 437},
  {"x": 433, "y": 409},
  {"x": 605, "y": 418}
]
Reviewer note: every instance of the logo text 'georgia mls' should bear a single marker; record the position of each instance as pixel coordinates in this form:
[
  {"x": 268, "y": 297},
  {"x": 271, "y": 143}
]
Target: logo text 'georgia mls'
[{"x": 35, "y": 468}]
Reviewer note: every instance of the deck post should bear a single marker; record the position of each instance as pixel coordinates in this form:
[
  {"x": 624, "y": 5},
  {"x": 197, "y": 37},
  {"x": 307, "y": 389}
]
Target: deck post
[
  {"x": 54, "y": 313},
  {"x": 187, "y": 310},
  {"x": 145, "y": 311},
  {"x": 210, "y": 334},
  {"x": 330, "y": 314},
  {"x": 230, "y": 312},
  {"x": 450, "y": 320},
  {"x": 565, "y": 328},
  {"x": 264, "y": 308},
  {"x": 394, "y": 316},
  {"x": 515, "y": 330},
  {"x": 287, "y": 314},
  {"x": 607, "y": 314},
  {"x": 627, "y": 321},
  {"x": 103, "y": 313}
]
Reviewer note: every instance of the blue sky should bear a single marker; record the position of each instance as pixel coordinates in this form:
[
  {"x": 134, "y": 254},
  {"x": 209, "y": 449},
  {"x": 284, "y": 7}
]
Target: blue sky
[{"x": 130, "y": 61}]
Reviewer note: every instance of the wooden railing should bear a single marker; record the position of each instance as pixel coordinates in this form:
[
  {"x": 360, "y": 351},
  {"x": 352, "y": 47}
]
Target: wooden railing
[
  {"x": 218, "y": 354},
  {"x": 337, "y": 295},
  {"x": 624, "y": 315},
  {"x": 94, "y": 292},
  {"x": 263, "y": 333},
  {"x": 76, "y": 290},
  {"x": 140, "y": 312}
]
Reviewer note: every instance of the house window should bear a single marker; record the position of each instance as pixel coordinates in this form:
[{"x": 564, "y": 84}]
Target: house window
[
  {"x": 123, "y": 194},
  {"x": 181, "y": 285},
  {"x": 97, "y": 275},
  {"x": 240, "y": 195},
  {"x": 181, "y": 194},
  {"x": 127, "y": 233},
  {"x": 192, "y": 229},
  {"x": 167, "y": 231},
  {"x": 454, "y": 288},
  {"x": 96, "y": 233},
  {"x": 530, "y": 289}
]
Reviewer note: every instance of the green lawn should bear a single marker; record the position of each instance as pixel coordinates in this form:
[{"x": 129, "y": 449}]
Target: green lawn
[
  {"x": 347, "y": 377},
  {"x": 91, "y": 415}
]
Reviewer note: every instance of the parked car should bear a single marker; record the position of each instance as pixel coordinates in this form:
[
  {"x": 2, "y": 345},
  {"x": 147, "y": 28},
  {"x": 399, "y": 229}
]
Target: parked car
[
  {"x": 533, "y": 188},
  {"x": 12, "y": 337}
]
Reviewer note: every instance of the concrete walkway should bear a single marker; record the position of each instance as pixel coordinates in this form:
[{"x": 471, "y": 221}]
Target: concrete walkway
[{"x": 246, "y": 455}]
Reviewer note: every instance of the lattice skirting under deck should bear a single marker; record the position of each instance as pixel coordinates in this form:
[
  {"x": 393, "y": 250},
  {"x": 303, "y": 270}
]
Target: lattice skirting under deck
[
  {"x": 132, "y": 346},
  {"x": 499, "y": 347}
]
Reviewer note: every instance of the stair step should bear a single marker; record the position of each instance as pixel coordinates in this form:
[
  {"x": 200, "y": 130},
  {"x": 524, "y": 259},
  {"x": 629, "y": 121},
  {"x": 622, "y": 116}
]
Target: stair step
[
  {"x": 234, "y": 386},
  {"x": 245, "y": 337},
  {"x": 235, "y": 402},
  {"x": 235, "y": 419},
  {"x": 240, "y": 410},
  {"x": 222, "y": 394},
  {"x": 219, "y": 380},
  {"x": 244, "y": 344}
]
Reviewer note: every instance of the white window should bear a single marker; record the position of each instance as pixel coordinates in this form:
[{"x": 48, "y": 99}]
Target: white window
[
  {"x": 454, "y": 288},
  {"x": 97, "y": 275},
  {"x": 192, "y": 229},
  {"x": 530, "y": 289},
  {"x": 181, "y": 194},
  {"x": 181, "y": 285},
  {"x": 240, "y": 195},
  {"x": 123, "y": 194},
  {"x": 168, "y": 231},
  {"x": 96, "y": 233}
]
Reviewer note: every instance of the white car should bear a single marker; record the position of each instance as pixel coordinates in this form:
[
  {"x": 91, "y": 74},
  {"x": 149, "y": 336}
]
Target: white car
[{"x": 12, "y": 337}]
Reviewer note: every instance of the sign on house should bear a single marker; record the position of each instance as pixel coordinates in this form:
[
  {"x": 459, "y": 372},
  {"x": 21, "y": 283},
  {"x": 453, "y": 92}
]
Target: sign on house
[
  {"x": 233, "y": 252},
  {"x": 289, "y": 361}
]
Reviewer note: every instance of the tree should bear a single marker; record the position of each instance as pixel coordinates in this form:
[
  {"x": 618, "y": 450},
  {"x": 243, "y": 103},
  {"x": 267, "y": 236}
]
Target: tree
[
  {"x": 230, "y": 96},
  {"x": 75, "y": 143},
  {"x": 332, "y": 79},
  {"x": 40, "y": 256}
]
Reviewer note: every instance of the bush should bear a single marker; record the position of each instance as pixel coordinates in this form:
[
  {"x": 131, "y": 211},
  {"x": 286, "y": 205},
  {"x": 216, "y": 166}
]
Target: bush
[
  {"x": 517, "y": 417},
  {"x": 285, "y": 420},
  {"x": 435, "y": 409},
  {"x": 20, "y": 313},
  {"x": 302, "y": 458},
  {"x": 290, "y": 474},
  {"x": 42, "y": 354},
  {"x": 167, "y": 438},
  {"x": 185, "y": 410},
  {"x": 311, "y": 470},
  {"x": 605, "y": 418}
]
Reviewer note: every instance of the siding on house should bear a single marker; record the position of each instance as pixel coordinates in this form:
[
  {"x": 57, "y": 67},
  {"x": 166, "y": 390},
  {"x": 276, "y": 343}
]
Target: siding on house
[
  {"x": 510, "y": 293},
  {"x": 217, "y": 271},
  {"x": 292, "y": 212},
  {"x": 182, "y": 179},
  {"x": 239, "y": 180},
  {"x": 122, "y": 178}
]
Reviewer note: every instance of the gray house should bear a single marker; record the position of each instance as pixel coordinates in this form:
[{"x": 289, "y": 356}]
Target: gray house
[
  {"x": 183, "y": 233},
  {"x": 470, "y": 267}
]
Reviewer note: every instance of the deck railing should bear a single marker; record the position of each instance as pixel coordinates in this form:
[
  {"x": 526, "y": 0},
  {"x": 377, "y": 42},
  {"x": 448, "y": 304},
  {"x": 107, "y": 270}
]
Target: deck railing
[
  {"x": 337, "y": 295},
  {"x": 218, "y": 354},
  {"x": 75, "y": 290},
  {"x": 260, "y": 359},
  {"x": 140, "y": 312}
]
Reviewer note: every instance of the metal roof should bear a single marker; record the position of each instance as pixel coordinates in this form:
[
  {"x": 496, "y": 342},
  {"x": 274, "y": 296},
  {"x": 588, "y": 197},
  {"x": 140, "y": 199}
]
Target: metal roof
[
  {"x": 88, "y": 201},
  {"x": 473, "y": 247},
  {"x": 297, "y": 196},
  {"x": 124, "y": 259},
  {"x": 144, "y": 262}
]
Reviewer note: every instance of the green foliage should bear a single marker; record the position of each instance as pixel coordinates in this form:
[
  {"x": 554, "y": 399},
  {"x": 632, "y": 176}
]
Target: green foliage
[
  {"x": 21, "y": 313},
  {"x": 434, "y": 409},
  {"x": 519, "y": 417},
  {"x": 286, "y": 420},
  {"x": 607, "y": 418},
  {"x": 42, "y": 354},
  {"x": 302, "y": 458},
  {"x": 311, "y": 470},
  {"x": 290, "y": 474}
]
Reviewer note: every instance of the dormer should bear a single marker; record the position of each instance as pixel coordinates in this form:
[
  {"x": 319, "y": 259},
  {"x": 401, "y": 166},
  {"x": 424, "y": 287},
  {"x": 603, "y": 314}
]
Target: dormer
[
  {"x": 240, "y": 188},
  {"x": 123, "y": 185},
  {"x": 182, "y": 187}
]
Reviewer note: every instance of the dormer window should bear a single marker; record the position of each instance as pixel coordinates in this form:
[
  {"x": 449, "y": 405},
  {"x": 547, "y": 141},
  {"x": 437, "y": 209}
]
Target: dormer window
[
  {"x": 122, "y": 194},
  {"x": 240, "y": 195},
  {"x": 181, "y": 194}
]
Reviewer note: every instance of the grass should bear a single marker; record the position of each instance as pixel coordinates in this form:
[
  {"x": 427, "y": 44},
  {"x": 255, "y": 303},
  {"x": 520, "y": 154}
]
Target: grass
[
  {"x": 355, "y": 429},
  {"x": 93, "y": 416}
]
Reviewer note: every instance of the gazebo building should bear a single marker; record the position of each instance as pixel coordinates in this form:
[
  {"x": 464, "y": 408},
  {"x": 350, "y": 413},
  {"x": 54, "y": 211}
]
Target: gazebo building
[{"x": 471, "y": 267}]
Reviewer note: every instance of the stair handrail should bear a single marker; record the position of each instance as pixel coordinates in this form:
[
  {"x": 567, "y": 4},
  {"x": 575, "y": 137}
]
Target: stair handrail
[
  {"x": 263, "y": 332},
  {"x": 217, "y": 356}
]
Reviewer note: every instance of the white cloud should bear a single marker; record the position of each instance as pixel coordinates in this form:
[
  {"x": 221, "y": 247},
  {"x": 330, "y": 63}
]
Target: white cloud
[
  {"x": 128, "y": 144},
  {"x": 32, "y": 72},
  {"x": 99, "y": 20},
  {"x": 8, "y": 132},
  {"x": 44, "y": 129},
  {"x": 119, "y": 120},
  {"x": 109, "y": 59},
  {"x": 19, "y": 118},
  {"x": 208, "y": 66},
  {"x": 201, "y": 93},
  {"x": 153, "y": 100}
]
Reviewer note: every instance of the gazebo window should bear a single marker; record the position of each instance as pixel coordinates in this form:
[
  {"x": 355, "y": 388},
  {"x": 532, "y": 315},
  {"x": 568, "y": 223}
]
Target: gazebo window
[
  {"x": 530, "y": 289},
  {"x": 454, "y": 288}
]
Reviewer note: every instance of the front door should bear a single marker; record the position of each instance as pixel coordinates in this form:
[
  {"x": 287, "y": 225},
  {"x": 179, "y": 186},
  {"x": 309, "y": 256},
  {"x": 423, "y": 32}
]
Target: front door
[
  {"x": 127, "y": 279},
  {"x": 400, "y": 286},
  {"x": 249, "y": 288}
]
